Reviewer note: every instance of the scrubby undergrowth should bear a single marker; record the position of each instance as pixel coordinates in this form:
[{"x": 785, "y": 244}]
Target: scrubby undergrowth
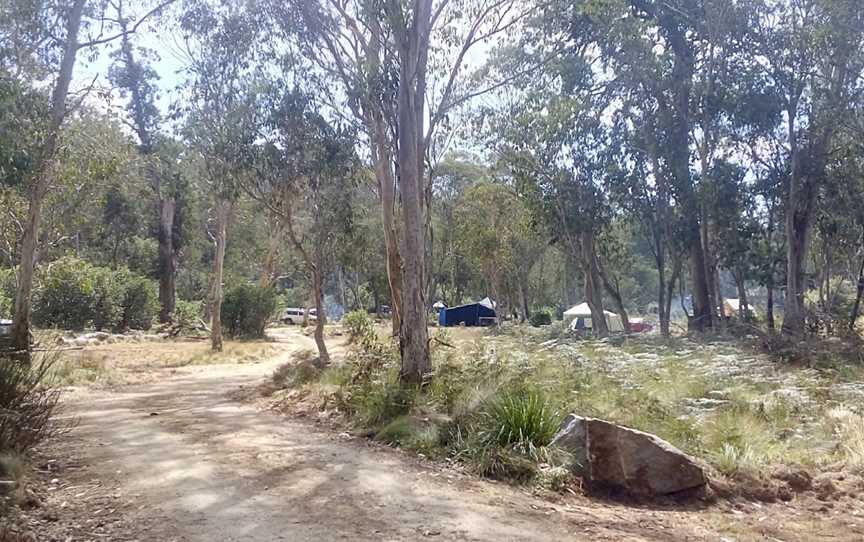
[{"x": 494, "y": 403}]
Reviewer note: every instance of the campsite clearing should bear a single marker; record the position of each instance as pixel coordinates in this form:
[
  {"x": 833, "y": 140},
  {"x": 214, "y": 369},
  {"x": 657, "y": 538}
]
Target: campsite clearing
[{"x": 220, "y": 469}]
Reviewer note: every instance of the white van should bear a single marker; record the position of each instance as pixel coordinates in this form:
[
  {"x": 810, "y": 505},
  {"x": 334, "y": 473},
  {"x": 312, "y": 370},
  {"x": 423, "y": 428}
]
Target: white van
[{"x": 295, "y": 316}]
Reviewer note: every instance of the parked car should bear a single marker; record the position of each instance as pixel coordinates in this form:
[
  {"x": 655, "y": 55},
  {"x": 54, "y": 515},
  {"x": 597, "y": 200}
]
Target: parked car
[{"x": 294, "y": 316}]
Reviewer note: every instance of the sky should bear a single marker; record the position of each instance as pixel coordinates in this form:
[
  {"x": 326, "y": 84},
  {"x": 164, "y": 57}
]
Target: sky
[{"x": 157, "y": 36}]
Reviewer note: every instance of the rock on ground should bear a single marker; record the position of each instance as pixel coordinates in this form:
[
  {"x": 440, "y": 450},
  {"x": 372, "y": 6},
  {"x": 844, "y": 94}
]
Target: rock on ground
[{"x": 617, "y": 457}]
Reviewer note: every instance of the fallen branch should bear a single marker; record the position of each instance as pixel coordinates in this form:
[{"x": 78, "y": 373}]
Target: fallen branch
[{"x": 442, "y": 343}]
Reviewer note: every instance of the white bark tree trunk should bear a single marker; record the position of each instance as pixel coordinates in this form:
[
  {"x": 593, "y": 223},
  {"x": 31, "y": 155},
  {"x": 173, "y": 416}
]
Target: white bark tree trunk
[
  {"x": 41, "y": 181},
  {"x": 223, "y": 214}
]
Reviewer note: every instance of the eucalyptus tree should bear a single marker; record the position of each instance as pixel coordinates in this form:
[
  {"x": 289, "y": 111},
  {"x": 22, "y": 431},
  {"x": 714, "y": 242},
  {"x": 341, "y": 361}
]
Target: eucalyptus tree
[
  {"x": 222, "y": 121},
  {"x": 306, "y": 175},
  {"x": 557, "y": 156},
  {"x": 496, "y": 232},
  {"x": 44, "y": 43},
  {"x": 813, "y": 53},
  {"x": 136, "y": 78},
  {"x": 387, "y": 58}
]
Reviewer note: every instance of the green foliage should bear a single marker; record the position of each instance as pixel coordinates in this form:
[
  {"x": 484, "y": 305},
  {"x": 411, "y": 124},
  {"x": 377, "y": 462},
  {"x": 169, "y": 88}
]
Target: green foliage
[
  {"x": 72, "y": 294},
  {"x": 6, "y": 306},
  {"x": 108, "y": 298},
  {"x": 412, "y": 433},
  {"x": 7, "y": 292},
  {"x": 64, "y": 294},
  {"x": 247, "y": 309},
  {"x": 518, "y": 419},
  {"x": 540, "y": 318},
  {"x": 381, "y": 398},
  {"x": 187, "y": 314},
  {"x": 11, "y": 466},
  {"x": 140, "y": 301},
  {"x": 358, "y": 324}
]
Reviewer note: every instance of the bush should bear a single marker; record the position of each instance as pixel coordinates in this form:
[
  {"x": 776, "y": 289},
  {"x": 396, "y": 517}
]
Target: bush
[
  {"x": 7, "y": 292},
  {"x": 507, "y": 437},
  {"x": 107, "y": 299},
  {"x": 381, "y": 399},
  {"x": 140, "y": 301},
  {"x": 540, "y": 318},
  {"x": 519, "y": 419},
  {"x": 6, "y": 305},
  {"x": 63, "y": 296},
  {"x": 27, "y": 402},
  {"x": 187, "y": 314},
  {"x": 246, "y": 310},
  {"x": 358, "y": 324},
  {"x": 73, "y": 294}
]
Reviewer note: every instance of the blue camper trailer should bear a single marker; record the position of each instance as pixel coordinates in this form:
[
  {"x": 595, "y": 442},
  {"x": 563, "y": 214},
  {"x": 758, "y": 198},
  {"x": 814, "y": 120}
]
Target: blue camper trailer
[{"x": 481, "y": 313}]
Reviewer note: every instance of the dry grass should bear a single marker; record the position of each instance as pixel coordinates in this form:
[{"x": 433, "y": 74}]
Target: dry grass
[{"x": 120, "y": 363}]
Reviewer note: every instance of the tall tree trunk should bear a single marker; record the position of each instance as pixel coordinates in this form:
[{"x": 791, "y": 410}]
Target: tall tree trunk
[
  {"x": 769, "y": 282},
  {"x": 798, "y": 226},
  {"x": 769, "y": 304},
  {"x": 615, "y": 293},
  {"x": 387, "y": 194},
  {"x": 593, "y": 285},
  {"x": 413, "y": 48},
  {"x": 710, "y": 264},
  {"x": 223, "y": 214},
  {"x": 677, "y": 266},
  {"x": 678, "y": 156},
  {"x": 523, "y": 301},
  {"x": 271, "y": 256},
  {"x": 167, "y": 263},
  {"x": 743, "y": 305},
  {"x": 662, "y": 311},
  {"x": 702, "y": 311},
  {"x": 166, "y": 205},
  {"x": 808, "y": 169},
  {"x": 40, "y": 182},
  {"x": 382, "y": 160},
  {"x": 320, "y": 317}
]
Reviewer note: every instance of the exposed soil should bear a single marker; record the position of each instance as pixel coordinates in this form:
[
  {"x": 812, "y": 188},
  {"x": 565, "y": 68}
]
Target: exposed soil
[{"x": 178, "y": 458}]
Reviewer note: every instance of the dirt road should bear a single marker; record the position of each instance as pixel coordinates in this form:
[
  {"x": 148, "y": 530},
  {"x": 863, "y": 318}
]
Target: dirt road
[{"x": 180, "y": 459}]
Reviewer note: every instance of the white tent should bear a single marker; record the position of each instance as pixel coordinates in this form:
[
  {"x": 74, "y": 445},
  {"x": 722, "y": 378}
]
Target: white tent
[
  {"x": 582, "y": 312},
  {"x": 488, "y": 303},
  {"x": 731, "y": 307}
]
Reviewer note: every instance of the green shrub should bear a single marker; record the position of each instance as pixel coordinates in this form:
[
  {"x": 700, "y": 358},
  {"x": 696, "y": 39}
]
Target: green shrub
[
  {"x": 63, "y": 296},
  {"x": 380, "y": 399},
  {"x": 507, "y": 437},
  {"x": 107, "y": 299},
  {"x": 520, "y": 419},
  {"x": 358, "y": 324},
  {"x": 413, "y": 433},
  {"x": 7, "y": 292},
  {"x": 11, "y": 466},
  {"x": 6, "y": 305},
  {"x": 246, "y": 310},
  {"x": 72, "y": 294},
  {"x": 540, "y": 318},
  {"x": 187, "y": 314},
  {"x": 140, "y": 302}
]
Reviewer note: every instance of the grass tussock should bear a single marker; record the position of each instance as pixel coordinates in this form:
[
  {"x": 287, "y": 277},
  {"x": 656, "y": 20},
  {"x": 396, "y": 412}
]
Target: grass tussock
[{"x": 28, "y": 401}]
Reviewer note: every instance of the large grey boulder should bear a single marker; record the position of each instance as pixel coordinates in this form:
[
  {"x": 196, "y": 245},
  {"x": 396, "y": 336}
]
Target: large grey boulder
[{"x": 616, "y": 457}]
